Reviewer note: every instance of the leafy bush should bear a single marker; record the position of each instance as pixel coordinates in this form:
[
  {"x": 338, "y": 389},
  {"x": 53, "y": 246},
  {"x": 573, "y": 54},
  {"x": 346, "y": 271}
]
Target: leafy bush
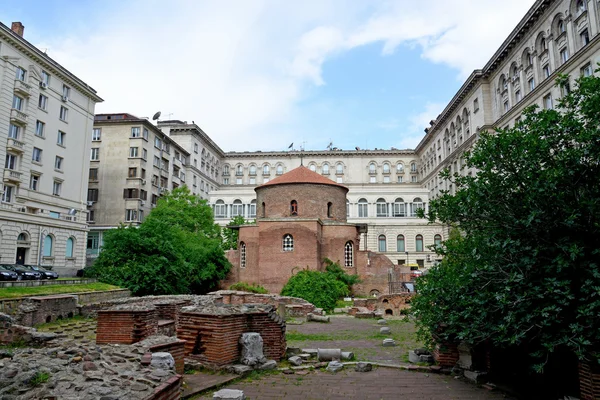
[
  {"x": 246, "y": 287},
  {"x": 336, "y": 270},
  {"x": 322, "y": 289}
]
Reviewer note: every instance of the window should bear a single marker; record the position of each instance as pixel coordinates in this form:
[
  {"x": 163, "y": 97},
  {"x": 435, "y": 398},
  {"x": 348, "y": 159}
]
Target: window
[
  {"x": 548, "y": 102},
  {"x": 96, "y": 134},
  {"x": 372, "y": 179},
  {"x": 518, "y": 96},
  {"x": 48, "y": 242},
  {"x": 238, "y": 181},
  {"x": 145, "y": 134},
  {"x": 58, "y": 163},
  {"x": 132, "y": 172},
  {"x": 18, "y": 103},
  {"x": 252, "y": 170},
  {"x": 386, "y": 168},
  {"x": 279, "y": 170},
  {"x": 14, "y": 131},
  {"x": 92, "y": 195},
  {"x": 93, "y": 176},
  {"x": 144, "y": 154},
  {"x": 564, "y": 55},
  {"x": 372, "y": 168},
  {"x": 11, "y": 161},
  {"x": 382, "y": 208},
  {"x": 546, "y": 71},
  {"x": 61, "y": 138},
  {"x": 220, "y": 209},
  {"x": 34, "y": 182},
  {"x": 195, "y": 147},
  {"x": 581, "y": 7},
  {"x": 531, "y": 84},
  {"x": 475, "y": 105},
  {"x": 543, "y": 44},
  {"x": 69, "y": 249},
  {"x": 36, "y": 155},
  {"x": 131, "y": 193},
  {"x": 419, "y": 243},
  {"x": 43, "y": 102},
  {"x": 399, "y": 208},
  {"x": 225, "y": 181},
  {"x": 91, "y": 217},
  {"x": 325, "y": 169},
  {"x": 386, "y": 179},
  {"x": 363, "y": 208},
  {"x": 242, "y": 255},
  {"x": 437, "y": 240},
  {"x": 330, "y": 210},
  {"x": 239, "y": 170},
  {"x": 348, "y": 255},
  {"x": 45, "y": 78},
  {"x": 252, "y": 209},
  {"x": 130, "y": 215},
  {"x": 339, "y": 168},
  {"x": 506, "y": 106},
  {"x": 288, "y": 242},
  {"x": 7, "y": 194},
  {"x": 266, "y": 170},
  {"x": 587, "y": 70},
  {"x": 312, "y": 167},
  {"x": 56, "y": 188},
  {"x": 20, "y": 74},
  {"x": 400, "y": 168},
  {"x": 157, "y": 143},
  {"x": 294, "y": 207},
  {"x": 135, "y": 132},
  {"x": 400, "y": 179},
  {"x": 39, "y": 128},
  {"x": 156, "y": 162},
  {"x": 381, "y": 243},
  {"x": 94, "y": 154},
  {"x": 415, "y": 205},
  {"x": 413, "y": 167},
  {"x": 66, "y": 91},
  {"x": 400, "y": 248},
  {"x": 237, "y": 209},
  {"x": 584, "y": 37},
  {"x": 133, "y": 152},
  {"x": 64, "y": 113}
]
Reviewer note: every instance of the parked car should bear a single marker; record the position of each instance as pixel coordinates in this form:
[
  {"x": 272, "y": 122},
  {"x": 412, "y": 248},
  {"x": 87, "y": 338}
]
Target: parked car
[
  {"x": 8, "y": 275},
  {"x": 22, "y": 272},
  {"x": 416, "y": 273},
  {"x": 46, "y": 273}
]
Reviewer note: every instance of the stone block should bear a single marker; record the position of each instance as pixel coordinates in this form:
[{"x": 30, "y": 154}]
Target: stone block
[
  {"x": 363, "y": 367},
  {"x": 413, "y": 357},
  {"x": 389, "y": 342},
  {"x": 385, "y": 330},
  {"x": 295, "y": 360},
  {"x": 292, "y": 351},
  {"x": 312, "y": 352},
  {"x": 335, "y": 366},
  {"x": 304, "y": 356},
  {"x": 465, "y": 359},
  {"x": 329, "y": 354},
  {"x": 316, "y": 318},
  {"x": 162, "y": 360},
  {"x": 229, "y": 394},
  {"x": 347, "y": 355},
  {"x": 252, "y": 349},
  {"x": 475, "y": 376},
  {"x": 426, "y": 358},
  {"x": 240, "y": 369},
  {"x": 382, "y": 322},
  {"x": 270, "y": 364}
]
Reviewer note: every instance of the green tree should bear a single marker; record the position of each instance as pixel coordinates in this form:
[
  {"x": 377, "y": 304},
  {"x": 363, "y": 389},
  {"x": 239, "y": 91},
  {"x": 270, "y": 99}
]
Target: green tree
[
  {"x": 176, "y": 250},
  {"x": 230, "y": 236},
  {"x": 525, "y": 269},
  {"x": 319, "y": 288}
]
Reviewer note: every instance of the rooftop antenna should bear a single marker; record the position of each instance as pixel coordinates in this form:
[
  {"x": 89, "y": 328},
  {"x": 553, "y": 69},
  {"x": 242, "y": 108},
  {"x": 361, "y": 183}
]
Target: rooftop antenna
[{"x": 156, "y": 116}]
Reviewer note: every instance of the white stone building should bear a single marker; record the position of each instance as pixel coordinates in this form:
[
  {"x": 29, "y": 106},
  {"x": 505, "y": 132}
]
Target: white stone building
[{"x": 46, "y": 118}]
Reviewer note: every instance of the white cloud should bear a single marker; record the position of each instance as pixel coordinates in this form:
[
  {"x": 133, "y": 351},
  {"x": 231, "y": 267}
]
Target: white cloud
[{"x": 241, "y": 69}]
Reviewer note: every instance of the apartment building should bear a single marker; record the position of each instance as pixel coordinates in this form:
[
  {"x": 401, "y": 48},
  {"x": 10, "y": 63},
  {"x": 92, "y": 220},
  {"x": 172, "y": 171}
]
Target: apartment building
[
  {"x": 554, "y": 37},
  {"x": 46, "y": 119},
  {"x": 131, "y": 164}
]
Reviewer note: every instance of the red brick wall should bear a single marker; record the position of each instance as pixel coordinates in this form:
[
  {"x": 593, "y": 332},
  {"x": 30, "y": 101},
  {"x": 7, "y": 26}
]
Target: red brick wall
[
  {"x": 373, "y": 271},
  {"x": 127, "y": 327},
  {"x": 312, "y": 201},
  {"x": 10, "y": 333},
  {"x": 589, "y": 381},
  {"x": 219, "y": 336},
  {"x": 334, "y": 241},
  {"x": 170, "y": 390},
  {"x": 446, "y": 355},
  {"x": 177, "y": 351}
]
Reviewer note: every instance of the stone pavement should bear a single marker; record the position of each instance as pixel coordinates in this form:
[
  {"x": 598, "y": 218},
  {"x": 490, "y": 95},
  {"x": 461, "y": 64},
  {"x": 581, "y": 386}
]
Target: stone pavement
[{"x": 380, "y": 384}]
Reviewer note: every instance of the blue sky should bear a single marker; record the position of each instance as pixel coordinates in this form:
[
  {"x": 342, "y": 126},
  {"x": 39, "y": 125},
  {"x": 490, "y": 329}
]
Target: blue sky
[{"x": 260, "y": 74}]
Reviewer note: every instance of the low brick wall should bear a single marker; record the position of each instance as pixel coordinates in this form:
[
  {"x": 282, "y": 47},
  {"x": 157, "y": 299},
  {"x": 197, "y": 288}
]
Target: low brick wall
[
  {"x": 589, "y": 381},
  {"x": 446, "y": 355},
  {"x": 170, "y": 390},
  {"x": 125, "y": 326},
  {"x": 293, "y": 306},
  {"x": 9, "y": 332},
  {"x": 43, "y": 309},
  {"x": 49, "y": 282},
  {"x": 177, "y": 350}
]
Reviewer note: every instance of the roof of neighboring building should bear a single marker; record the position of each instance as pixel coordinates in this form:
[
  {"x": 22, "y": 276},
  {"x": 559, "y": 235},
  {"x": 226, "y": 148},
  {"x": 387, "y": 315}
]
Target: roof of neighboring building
[{"x": 301, "y": 175}]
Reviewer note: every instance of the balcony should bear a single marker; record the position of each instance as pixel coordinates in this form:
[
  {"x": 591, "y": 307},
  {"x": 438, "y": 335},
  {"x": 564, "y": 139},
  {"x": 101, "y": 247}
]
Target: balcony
[
  {"x": 12, "y": 176},
  {"x": 18, "y": 117},
  {"x": 15, "y": 145},
  {"x": 22, "y": 88},
  {"x": 164, "y": 173}
]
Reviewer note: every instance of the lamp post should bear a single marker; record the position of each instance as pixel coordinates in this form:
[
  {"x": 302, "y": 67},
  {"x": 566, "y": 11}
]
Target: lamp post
[{"x": 407, "y": 264}]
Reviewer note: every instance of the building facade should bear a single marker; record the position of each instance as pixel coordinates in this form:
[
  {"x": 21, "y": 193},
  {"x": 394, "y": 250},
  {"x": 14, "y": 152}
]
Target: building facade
[
  {"x": 131, "y": 164},
  {"x": 46, "y": 118}
]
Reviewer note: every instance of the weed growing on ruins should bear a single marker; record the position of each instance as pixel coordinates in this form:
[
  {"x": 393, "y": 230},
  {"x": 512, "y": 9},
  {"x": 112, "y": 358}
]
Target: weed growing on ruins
[
  {"x": 247, "y": 287},
  {"x": 39, "y": 378}
]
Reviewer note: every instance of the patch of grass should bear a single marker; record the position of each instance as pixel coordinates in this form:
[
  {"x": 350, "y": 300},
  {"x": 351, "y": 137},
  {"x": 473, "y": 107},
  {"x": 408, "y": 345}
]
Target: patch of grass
[
  {"x": 39, "y": 378},
  {"x": 342, "y": 304},
  {"x": 61, "y": 322},
  {"x": 71, "y": 278},
  {"x": 15, "y": 292},
  {"x": 246, "y": 287},
  {"x": 258, "y": 374}
]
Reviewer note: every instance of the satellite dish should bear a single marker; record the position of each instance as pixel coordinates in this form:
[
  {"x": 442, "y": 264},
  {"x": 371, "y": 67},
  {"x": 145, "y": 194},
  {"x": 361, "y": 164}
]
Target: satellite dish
[
  {"x": 156, "y": 116},
  {"x": 72, "y": 211}
]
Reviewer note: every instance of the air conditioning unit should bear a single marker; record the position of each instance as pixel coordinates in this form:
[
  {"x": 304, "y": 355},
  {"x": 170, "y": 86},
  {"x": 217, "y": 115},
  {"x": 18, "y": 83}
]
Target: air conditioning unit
[
  {"x": 65, "y": 98},
  {"x": 143, "y": 182},
  {"x": 428, "y": 257},
  {"x": 43, "y": 85},
  {"x": 143, "y": 203},
  {"x": 90, "y": 203}
]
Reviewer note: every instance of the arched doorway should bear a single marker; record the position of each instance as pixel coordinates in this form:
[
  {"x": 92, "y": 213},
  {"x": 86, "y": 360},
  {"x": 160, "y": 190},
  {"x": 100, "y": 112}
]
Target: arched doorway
[{"x": 23, "y": 245}]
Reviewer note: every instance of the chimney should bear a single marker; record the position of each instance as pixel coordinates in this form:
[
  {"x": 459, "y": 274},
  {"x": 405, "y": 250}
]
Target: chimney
[{"x": 18, "y": 28}]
